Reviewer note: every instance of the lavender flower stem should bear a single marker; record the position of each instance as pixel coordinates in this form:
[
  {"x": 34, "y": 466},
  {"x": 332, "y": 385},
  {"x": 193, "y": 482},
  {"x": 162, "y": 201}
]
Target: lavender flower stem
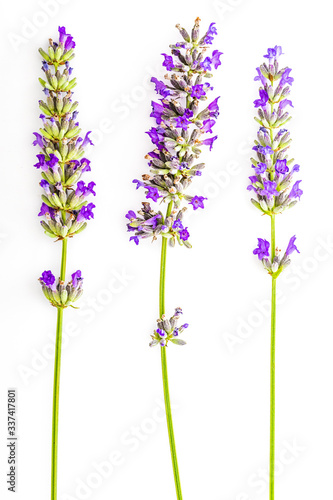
[
  {"x": 165, "y": 367},
  {"x": 170, "y": 424},
  {"x": 272, "y": 376},
  {"x": 274, "y": 191},
  {"x": 273, "y": 235},
  {"x": 177, "y": 138},
  {"x": 56, "y": 381},
  {"x": 63, "y": 260},
  {"x": 163, "y": 262},
  {"x": 272, "y": 403},
  {"x": 272, "y": 368},
  {"x": 55, "y": 413},
  {"x": 65, "y": 209}
]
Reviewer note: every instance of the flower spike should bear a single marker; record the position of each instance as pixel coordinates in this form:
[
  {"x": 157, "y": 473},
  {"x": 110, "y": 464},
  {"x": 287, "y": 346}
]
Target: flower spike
[
  {"x": 66, "y": 198},
  {"x": 183, "y": 119},
  {"x": 273, "y": 188},
  {"x": 178, "y": 135}
]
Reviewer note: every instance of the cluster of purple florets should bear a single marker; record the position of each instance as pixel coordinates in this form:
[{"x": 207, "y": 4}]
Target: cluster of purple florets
[
  {"x": 66, "y": 207},
  {"x": 57, "y": 292},
  {"x": 167, "y": 330},
  {"x": 179, "y": 132},
  {"x": 279, "y": 262},
  {"x": 272, "y": 179},
  {"x": 147, "y": 223}
]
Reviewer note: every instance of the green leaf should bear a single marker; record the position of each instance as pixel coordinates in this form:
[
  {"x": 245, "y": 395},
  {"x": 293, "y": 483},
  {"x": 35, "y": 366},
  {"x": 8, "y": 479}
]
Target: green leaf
[{"x": 178, "y": 341}]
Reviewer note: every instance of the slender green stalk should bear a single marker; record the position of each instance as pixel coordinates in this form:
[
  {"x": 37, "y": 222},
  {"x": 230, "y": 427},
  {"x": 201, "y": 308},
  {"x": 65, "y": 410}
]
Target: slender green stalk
[
  {"x": 272, "y": 376},
  {"x": 63, "y": 260},
  {"x": 56, "y": 383},
  {"x": 165, "y": 369}
]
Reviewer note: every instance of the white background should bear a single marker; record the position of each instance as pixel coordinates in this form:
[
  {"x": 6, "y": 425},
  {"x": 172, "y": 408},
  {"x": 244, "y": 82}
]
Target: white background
[{"x": 111, "y": 380}]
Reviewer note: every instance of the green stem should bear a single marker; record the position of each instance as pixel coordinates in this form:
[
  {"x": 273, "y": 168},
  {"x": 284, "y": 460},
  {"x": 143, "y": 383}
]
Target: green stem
[
  {"x": 272, "y": 376},
  {"x": 273, "y": 235},
  {"x": 63, "y": 260},
  {"x": 165, "y": 369},
  {"x": 56, "y": 383}
]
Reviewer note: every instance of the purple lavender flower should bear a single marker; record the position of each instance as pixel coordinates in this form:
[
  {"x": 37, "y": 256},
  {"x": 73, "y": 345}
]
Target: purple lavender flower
[
  {"x": 45, "y": 209},
  {"x": 262, "y": 249},
  {"x": 209, "y": 142},
  {"x": 274, "y": 53},
  {"x": 168, "y": 62},
  {"x": 188, "y": 113},
  {"x": 281, "y": 166},
  {"x": 80, "y": 189},
  {"x": 269, "y": 189},
  {"x": 135, "y": 239},
  {"x": 152, "y": 193},
  {"x": 184, "y": 234},
  {"x": 209, "y": 37},
  {"x": 264, "y": 150},
  {"x": 76, "y": 278},
  {"x": 263, "y": 99},
  {"x": 291, "y": 246},
  {"x": 41, "y": 162},
  {"x": 69, "y": 44},
  {"x": 86, "y": 212},
  {"x": 207, "y": 126},
  {"x": 284, "y": 103},
  {"x": 296, "y": 191},
  {"x": 182, "y": 122},
  {"x": 216, "y": 58},
  {"x": 83, "y": 190},
  {"x": 85, "y": 165},
  {"x": 260, "y": 168},
  {"x": 260, "y": 77},
  {"x": 138, "y": 183},
  {"x": 62, "y": 34},
  {"x": 197, "y": 91},
  {"x": 213, "y": 108},
  {"x": 38, "y": 141},
  {"x": 197, "y": 202},
  {"x": 286, "y": 79},
  {"x": 47, "y": 278},
  {"x": 86, "y": 140},
  {"x": 53, "y": 161},
  {"x": 153, "y": 221},
  {"x": 206, "y": 64},
  {"x": 161, "y": 332},
  {"x": 65, "y": 38},
  {"x": 160, "y": 87},
  {"x": 130, "y": 215},
  {"x": 158, "y": 111},
  {"x": 177, "y": 224},
  {"x": 45, "y": 185}
]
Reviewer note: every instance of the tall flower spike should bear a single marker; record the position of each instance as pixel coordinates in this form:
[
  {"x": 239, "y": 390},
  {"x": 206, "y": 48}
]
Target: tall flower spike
[
  {"x": 179, "y": 133},
  {"x": 65, "y": 199},
  {"x": 273, "y": 187}
]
